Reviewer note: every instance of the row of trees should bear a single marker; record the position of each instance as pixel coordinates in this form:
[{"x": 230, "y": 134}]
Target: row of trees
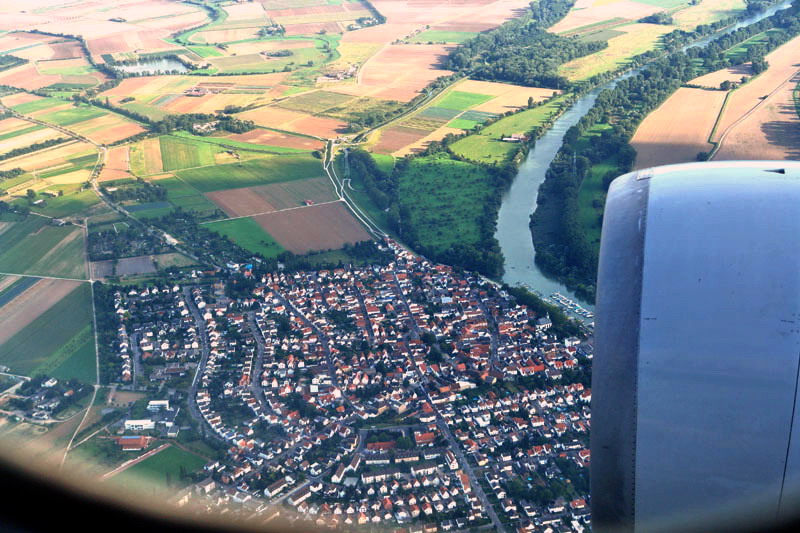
[{"x": 32, "y": 148}]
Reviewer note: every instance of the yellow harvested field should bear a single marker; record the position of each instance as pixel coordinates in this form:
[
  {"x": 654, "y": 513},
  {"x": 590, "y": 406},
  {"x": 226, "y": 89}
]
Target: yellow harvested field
[
  {"x": 71, "y": 178},
  {"x": 771, "y": 131},
  {"x": 783, "y": 64},
  {"x": 507, "y": 97},
  {"x": 421, "y": 144},
  {"x": 28, "y": 139},
  {"x": 706, "y": 12},
  {"x": 714, "y": 79},
  {"x": 352, "y": 53},
  {"x": 245, "y": 11},
  {"x": 679, "y": 129},
  {"x": 10, "y": 125},
  {"x": 588, "y": 12},
  {"x": 638, "y": 38}
]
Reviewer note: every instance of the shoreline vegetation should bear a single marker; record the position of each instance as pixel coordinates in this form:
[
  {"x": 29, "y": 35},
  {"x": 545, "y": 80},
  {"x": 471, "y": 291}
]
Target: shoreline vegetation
[{"x": 598, "y": 147}]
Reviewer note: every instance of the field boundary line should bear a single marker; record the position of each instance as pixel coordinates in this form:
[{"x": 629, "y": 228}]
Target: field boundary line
[
  {"x": 277, "y": 211},
  {"x": 750, "y": 112},
  {"x": 43, "y": 277}
]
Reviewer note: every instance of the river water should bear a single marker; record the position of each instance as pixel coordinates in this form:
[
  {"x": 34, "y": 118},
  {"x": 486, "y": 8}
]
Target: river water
[
  {"x": 513, "y": 232},
  {"x": 152, "y": 67}
]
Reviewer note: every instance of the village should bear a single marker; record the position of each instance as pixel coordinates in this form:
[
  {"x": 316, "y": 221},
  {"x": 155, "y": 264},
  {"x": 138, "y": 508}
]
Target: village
[{"x": 405, "y": 395}]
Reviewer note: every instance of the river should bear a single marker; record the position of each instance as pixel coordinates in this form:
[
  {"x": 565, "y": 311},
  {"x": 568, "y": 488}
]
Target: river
[{"x": 519, "y": 202}]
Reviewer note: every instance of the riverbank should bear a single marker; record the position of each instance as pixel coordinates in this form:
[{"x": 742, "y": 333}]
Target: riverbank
[{"x": 566, "y": 237}]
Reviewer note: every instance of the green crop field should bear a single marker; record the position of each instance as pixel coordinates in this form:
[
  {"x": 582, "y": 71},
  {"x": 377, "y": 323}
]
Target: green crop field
[
  {"x": 463, "y": 124},
  {"x": 443, "y": 196},
  {"x": 22, "y": 131},
  {"x": 178, "y": 153},
  {"x": 163, "y": 472},
  {"x": 206, "y": 51},
  {"x": 36, "y": 105},
  {"x": 73, "y": 201},
  {"x": 32, "y": 246},
  {"x": 385, "y": 162},
  {"x": 462, "y": 101},
  {"x": 246, "y": 233},
  {"x": 253, "y": 172},
  {"x": 67, "y": 117},
  {"x": 197, "y": 202},
  {"x": 59, "y": 340},
  {"x": 485, "y": 146},
  {"x": 591, "y": 197},
  {"x": 437, "y": 36},
  {"x": 176, "y": 188},
  {"x": 155, "y": 212},
  {"x": 739, "y": 51},
  {"x": 239, "y": 145}
]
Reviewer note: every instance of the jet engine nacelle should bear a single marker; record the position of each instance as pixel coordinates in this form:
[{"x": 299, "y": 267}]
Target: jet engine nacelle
[{"x": 695, "y": 418}]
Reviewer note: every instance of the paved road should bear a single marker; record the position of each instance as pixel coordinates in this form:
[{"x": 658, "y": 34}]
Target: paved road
[
  {"x": 445, "y": 429},
  {"x": 205, "y": 351}
]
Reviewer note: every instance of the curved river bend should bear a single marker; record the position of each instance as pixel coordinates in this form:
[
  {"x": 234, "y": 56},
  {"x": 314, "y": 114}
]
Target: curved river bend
[{"x": 519, "y": 202}]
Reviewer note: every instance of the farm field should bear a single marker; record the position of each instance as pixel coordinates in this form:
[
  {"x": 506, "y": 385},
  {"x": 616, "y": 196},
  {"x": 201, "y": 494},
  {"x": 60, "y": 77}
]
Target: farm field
[
  {"x": 589, "y": 14},
  {"x": 161, "y": 473},
  {"x": 99, "y": 125},
  {"x": 782, "y": 67},
  {"x": 248, "y": 234},
  {"x": 712, "y": 80},
  {"x": 156, "y": 96},
  {"x": 253, "y": 172},
  {"x": 145, "y": 157},
  {"x": 317, "y": 227},
  {"x": 678, "y": 129},
  {"x": 32, "y": 246},
  {"x": 117, "y": 164},
  {"x": 279, "y": 139},
  {"x": 295, "y": 121},
  {"x": 399, "y": 72},
  {"x": 59, "y": 340},
  {"x": 443, "y": 196},
  {"x": 274, "y": 197},
  {"x": 463, "y": 106},
  {"x": 486, "y": 146},
  {"x": 772, "y": 131},
  {"x": 636, "y": 39},
  {"x": 441, "y": 36}
]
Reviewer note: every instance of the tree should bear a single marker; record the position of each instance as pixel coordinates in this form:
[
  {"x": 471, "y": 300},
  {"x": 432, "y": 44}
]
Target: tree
[{"x": 30, "y": 194}]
